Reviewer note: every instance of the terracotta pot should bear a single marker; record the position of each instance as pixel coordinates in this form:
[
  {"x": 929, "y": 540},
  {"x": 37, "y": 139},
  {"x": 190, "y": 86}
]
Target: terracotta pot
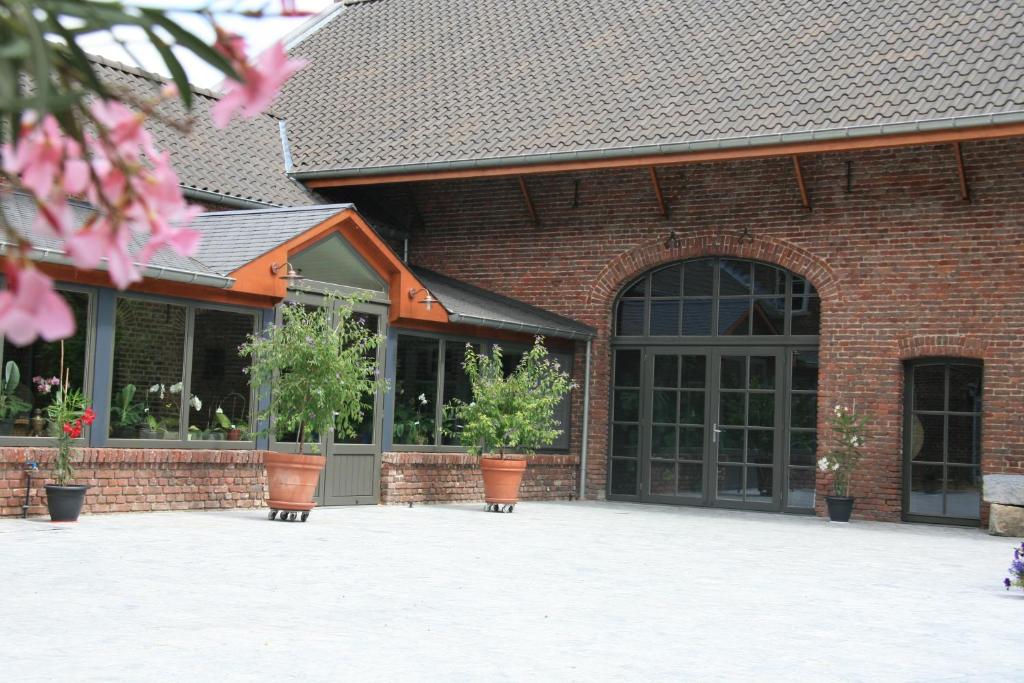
[
  {"x": 502, "y": 479},
  {"x": 292, "y": 479},
  {"x": 234, "y": 434}
]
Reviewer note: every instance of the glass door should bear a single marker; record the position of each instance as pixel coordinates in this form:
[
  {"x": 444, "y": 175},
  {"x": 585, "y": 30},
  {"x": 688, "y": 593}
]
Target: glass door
[
  {"x": 675, "y": 419},
  {"x": 746, "y": 428}
]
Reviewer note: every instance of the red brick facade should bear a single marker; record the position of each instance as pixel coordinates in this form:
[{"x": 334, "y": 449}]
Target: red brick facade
[
  {"x": 131, "y": 480},
  {"x": 905, "y": 269},
  {"x": 455, "y": 477}
]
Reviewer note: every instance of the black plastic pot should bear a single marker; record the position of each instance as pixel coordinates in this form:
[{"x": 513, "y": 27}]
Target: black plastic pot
[
  {"x": 839, "y": 508},
  {"x": 65, "y": 502}
]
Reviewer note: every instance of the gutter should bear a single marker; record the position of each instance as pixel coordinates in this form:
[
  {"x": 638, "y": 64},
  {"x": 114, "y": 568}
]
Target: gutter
[
  {"x": 519, "y": 327},
  {"x": 710, "y": 144},
  {"x": 168, "y": 273},
  {"x": 227, "y": 200}
]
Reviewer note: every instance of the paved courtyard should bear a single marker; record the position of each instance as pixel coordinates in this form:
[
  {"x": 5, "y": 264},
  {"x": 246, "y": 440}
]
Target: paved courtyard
[{"x": 556, "y": 591}]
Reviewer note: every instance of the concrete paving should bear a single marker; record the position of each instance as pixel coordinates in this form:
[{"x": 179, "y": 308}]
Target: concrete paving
[{"x": 555, "y": 591}]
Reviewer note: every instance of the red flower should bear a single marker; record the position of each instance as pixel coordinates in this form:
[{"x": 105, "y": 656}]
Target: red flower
[
  {"x": 73, "y": 430},
  {"x": 88, "y": 416}
]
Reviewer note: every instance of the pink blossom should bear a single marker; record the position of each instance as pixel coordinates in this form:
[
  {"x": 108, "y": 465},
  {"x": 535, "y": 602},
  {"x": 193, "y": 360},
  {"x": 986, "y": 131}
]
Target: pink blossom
[
  {"x": 99, "y": 240},
  {"x": 124, "y": 128},
  {"x": 30, "y": 308},
  {"x": 37, "y": 157},
  {"x": 261, "y": 84}
]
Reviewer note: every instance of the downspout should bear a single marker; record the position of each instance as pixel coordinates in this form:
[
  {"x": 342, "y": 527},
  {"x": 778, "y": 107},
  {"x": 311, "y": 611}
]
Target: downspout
[{"x": 586, "y": 426}]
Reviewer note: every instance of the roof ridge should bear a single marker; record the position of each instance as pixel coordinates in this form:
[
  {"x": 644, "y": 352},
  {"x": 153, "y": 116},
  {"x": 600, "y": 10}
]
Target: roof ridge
[{"x": 279, "y": 209}]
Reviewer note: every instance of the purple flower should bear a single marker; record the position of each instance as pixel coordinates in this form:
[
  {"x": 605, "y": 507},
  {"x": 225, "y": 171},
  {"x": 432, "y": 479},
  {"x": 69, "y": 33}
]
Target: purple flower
[{"x": 1006, "y": 582}]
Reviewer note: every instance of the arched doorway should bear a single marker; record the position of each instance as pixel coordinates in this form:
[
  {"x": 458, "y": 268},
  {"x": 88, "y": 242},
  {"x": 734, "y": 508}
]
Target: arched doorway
[{"x": 714, "y": 386}]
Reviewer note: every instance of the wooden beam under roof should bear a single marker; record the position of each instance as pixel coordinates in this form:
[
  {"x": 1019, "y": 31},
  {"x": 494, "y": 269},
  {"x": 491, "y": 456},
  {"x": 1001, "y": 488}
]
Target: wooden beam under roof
[
  {"x": 965, "y": 191},
  {"x": 527, "y": 200},
  {"x": 657, "y": 193},
  {"x": 798, "y": 172}
]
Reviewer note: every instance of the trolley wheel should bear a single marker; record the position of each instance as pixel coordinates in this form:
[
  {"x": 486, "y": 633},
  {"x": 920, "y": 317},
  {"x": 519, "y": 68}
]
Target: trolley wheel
[
  {"x": 291, "y": 516},
  {"x": 304, "y": 516},
  {"x": 509, "y": 508},
  {"x": 272, "y": 514}
]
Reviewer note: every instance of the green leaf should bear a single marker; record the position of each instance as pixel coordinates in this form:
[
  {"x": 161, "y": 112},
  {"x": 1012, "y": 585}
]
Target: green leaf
[{"x": 190, "y": 42}]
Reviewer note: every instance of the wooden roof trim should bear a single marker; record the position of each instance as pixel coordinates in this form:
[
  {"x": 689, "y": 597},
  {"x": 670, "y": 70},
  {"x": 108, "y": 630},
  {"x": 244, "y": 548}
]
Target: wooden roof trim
[{"x": 813, "y": 147}]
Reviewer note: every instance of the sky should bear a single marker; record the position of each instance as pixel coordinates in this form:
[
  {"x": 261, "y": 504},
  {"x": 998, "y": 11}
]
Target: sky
[{"x": 259, "y": 34}]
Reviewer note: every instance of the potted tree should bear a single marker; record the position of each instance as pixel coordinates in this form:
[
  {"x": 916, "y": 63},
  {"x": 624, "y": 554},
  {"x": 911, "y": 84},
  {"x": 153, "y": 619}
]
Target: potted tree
[
  {"x": 513, "y": 414},
  {"x": 71, "y": 412},
  {"x": 11, "y": 405},
  {"x": 847, "y": 430},
  {"x": 318, "y": 368}
]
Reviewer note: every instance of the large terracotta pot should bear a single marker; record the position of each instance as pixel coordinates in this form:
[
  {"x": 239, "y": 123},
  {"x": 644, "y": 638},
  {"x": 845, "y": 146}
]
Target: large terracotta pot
[
  {"x": 292, "y": 479},
  {"x": 502, "y": 479}
]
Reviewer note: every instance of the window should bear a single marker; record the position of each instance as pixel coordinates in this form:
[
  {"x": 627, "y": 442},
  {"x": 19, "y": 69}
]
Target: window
[
  {"x": 942, "y": 440},
  {"x": 37, "y": 367},
  {"x": 429, "y": 374},
  {"x": 177, "y": 374},
  {"x": 803, "y": 432},
  {"x": 718, "y": 297}
]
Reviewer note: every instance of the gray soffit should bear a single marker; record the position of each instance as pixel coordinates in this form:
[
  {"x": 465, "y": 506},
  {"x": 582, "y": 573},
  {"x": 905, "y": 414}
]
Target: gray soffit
[
  {"x": 20, "y": 212},
  {"x": 400, "y": 86},
  {"x": 242, "y": 165},
  {"x": 472, "y": 305},
  {"x": 232, "y": 239}
]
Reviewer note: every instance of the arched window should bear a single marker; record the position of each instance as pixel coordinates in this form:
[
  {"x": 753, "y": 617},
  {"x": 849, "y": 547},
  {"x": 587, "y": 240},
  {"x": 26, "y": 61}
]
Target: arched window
[{"x": 718, "y": 297}]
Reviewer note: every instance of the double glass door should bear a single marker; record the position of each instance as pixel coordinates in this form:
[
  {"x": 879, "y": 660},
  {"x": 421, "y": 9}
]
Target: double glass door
[{"x": 705, "y": 426}]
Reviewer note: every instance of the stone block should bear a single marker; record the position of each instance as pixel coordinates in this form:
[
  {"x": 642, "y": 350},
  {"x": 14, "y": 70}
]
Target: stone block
[
  {"x": 1006, "y": 520},
  {"x": 1004, "y": 489}
]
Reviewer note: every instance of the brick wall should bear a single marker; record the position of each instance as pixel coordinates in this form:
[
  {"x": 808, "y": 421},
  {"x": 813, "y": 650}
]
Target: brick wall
[
  {"x": 130, "y": 480},
  {"x": 904, "y": 267},
  {"x": 455, "y": 477}
]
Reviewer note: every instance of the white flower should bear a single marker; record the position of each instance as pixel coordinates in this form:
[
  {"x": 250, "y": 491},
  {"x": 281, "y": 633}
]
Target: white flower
[
  {"x": 175, "y": 388},
  {"x": 219, "y": 411},
  {"x": 196, "y": 403},
  {"x": 838, "y": 410},
  {"x": 422, "y": 398},
  {"x": 823, "y": 465},
  {"x": 155, "y": 388}
]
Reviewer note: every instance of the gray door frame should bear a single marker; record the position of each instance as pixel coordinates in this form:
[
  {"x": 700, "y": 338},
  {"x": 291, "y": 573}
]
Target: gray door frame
[{"x": 337, "y": 453}]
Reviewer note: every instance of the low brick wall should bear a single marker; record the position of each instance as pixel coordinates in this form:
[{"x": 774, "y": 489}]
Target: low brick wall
[
  {"x": 136, "y": 479},
  {"x": 454, "y": 477}
]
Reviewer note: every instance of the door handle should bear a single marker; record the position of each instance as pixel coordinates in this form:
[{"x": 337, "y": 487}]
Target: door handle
[{"x": 715, "y": 431}]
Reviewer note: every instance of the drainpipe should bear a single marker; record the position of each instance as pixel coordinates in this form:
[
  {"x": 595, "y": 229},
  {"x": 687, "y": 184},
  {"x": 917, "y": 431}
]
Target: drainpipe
[
  {"x": 30, "y": 468},
  {"x": 586, "y": 426}
]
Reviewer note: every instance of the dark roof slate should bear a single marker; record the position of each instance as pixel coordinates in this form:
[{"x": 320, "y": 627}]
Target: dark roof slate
[
  {"x": 472, "y": 305},
  {"x": 232, "y": 239},
  {"x": 243, "y": 162},
  {"x": 396, "y": 83}
]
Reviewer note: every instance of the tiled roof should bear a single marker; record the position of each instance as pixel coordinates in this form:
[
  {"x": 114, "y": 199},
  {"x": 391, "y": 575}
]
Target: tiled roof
[
  {"x": 242, "y": 162},
  {"x": 401, "y": 83},
  {"x": 472, "y": 305},
  {"x": 232, "y": 239}
]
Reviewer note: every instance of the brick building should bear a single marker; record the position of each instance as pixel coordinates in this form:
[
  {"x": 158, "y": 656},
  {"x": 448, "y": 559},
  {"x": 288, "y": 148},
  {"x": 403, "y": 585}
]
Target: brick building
[{"x": 728, "y": 217}]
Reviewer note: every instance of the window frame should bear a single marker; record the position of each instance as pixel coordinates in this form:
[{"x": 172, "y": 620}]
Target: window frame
[
  {"x": 946, "y": 362},
  {"x": 486, "y": 344},
  {"x": 88, "y": 377},
  {"x": 183, "y": 442},
  {"x": 716, "y": 297}
]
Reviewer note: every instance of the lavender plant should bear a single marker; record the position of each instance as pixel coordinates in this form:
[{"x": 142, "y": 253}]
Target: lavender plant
[
  {"x": 848, "y": 430},
  {"x": 1016, "y": 570}
]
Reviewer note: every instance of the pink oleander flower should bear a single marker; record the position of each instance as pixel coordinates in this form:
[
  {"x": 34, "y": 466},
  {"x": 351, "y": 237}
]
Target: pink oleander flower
[
  {"x": 38, "y": 156},
  {"x": 260, "y": 84},
  {"x": 31, "y": 308}
]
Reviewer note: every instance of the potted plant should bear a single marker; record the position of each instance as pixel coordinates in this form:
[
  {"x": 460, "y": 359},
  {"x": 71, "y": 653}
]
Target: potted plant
[
  {"x": 1016, "y": 569},
  {"x": 514, "y": 413},
  {"x": 70, "y": 410},
  {"x": 232, "y": 431},
  {"x": 847, "y": 429},
  {"x": 11, "y": 405},
  {"x": 126, "y": 415},
  {"x": 151, "y": 427},
  {"x": 317, "y": 370}
]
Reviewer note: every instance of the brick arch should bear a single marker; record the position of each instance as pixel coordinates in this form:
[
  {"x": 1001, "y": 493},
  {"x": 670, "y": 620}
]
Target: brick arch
[
  {"x": 941, "y": 345},
  {"x": 702, "y": 243}
]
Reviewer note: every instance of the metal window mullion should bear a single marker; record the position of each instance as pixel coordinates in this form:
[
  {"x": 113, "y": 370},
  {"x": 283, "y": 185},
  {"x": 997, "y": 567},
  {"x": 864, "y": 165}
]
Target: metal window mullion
[
  {"x": 439, "y": 391},
  {"x": 184, "y": 403}
]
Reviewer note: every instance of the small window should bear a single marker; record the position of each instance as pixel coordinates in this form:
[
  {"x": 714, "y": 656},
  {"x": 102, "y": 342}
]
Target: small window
[
  {"x": 23, "y": 410},
  {"x": 942, "y": 440},
  {"x": 149, "y": 363},
  {"x": 220, "y": 405},
  {"x": 416, "y": 390}
]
